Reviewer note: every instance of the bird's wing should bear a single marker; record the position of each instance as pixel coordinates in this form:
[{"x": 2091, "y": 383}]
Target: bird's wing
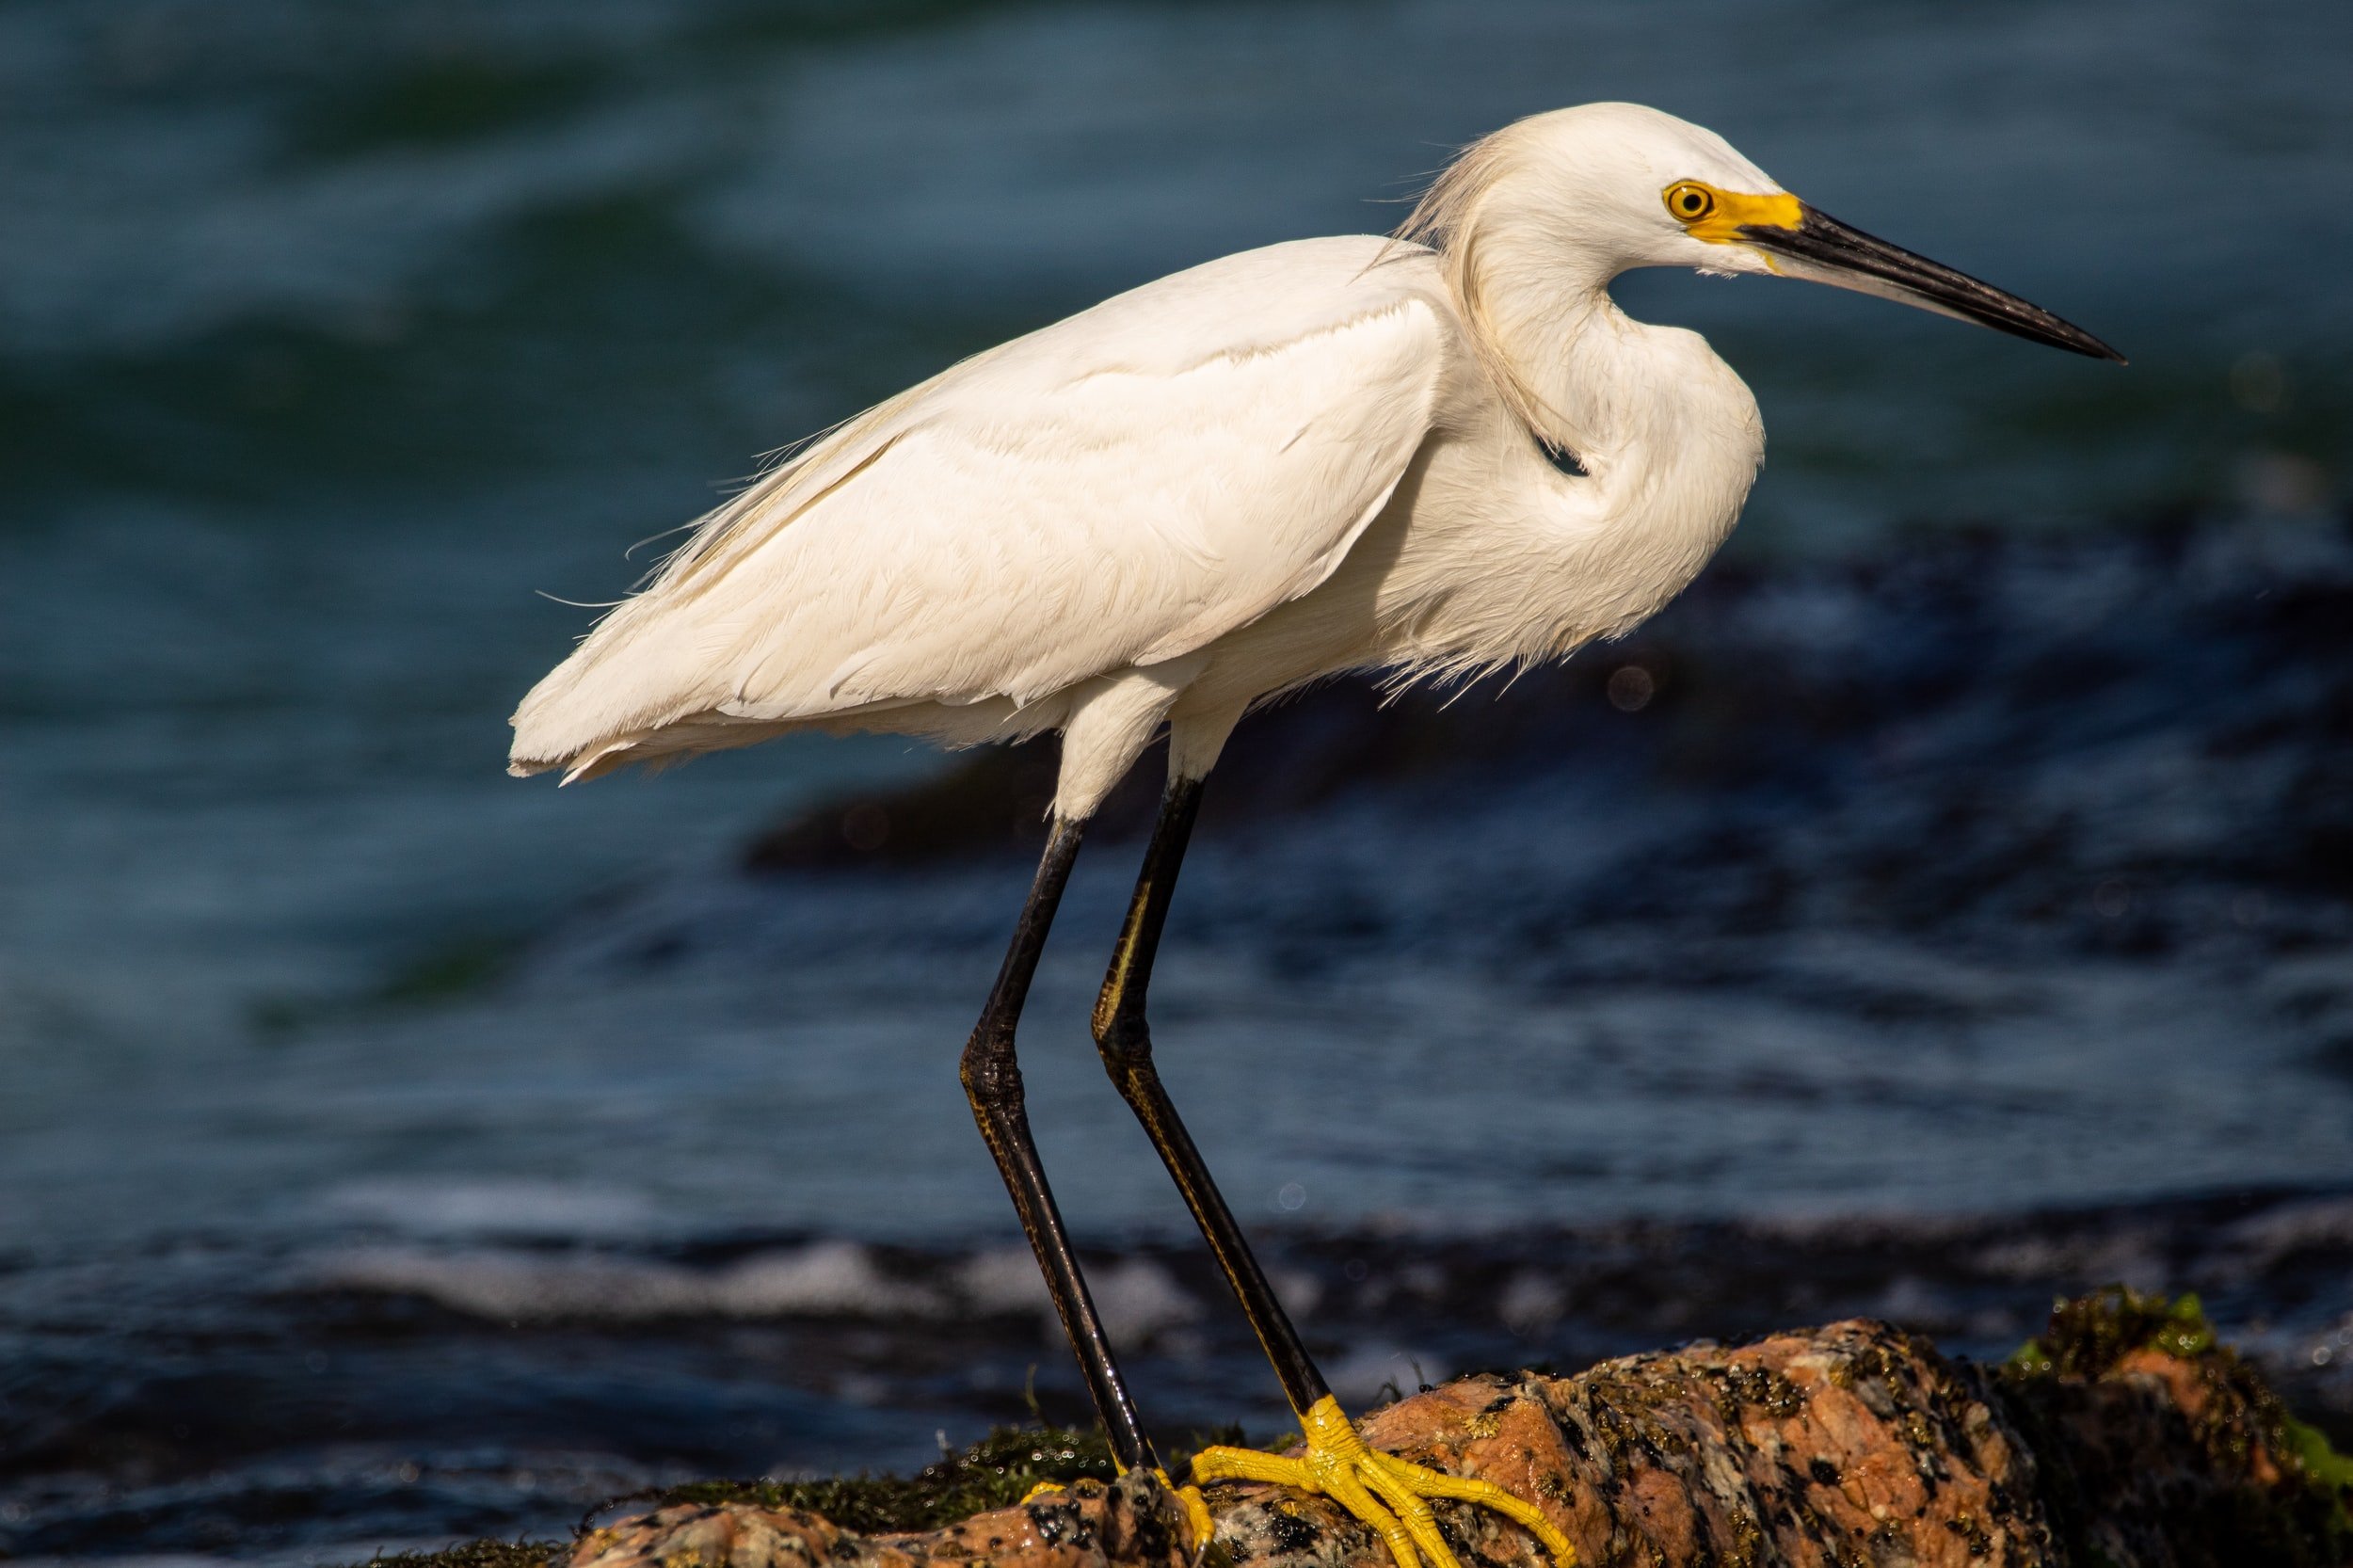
[{"x": 1114, "y": 490}]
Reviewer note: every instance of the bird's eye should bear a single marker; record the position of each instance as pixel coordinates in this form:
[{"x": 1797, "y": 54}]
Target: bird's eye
[{"x": 1690, "y": 202}]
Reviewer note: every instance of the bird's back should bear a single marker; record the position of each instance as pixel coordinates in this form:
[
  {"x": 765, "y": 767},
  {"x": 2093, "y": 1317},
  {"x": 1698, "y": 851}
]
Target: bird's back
[{"x": 1110, "y": 491}]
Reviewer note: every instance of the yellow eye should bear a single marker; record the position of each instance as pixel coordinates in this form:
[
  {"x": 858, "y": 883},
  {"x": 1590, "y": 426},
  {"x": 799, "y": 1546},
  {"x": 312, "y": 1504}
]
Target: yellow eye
[{"x": 1690, "y": 200}]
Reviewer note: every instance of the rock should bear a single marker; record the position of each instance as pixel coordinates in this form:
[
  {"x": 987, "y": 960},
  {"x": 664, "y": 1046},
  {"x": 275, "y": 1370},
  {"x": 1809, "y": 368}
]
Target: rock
[
  {"x": 2123, "y": 1437},
  {"x": 1852, "y": 1443},
  {"x": 1090, "y": 1524}
]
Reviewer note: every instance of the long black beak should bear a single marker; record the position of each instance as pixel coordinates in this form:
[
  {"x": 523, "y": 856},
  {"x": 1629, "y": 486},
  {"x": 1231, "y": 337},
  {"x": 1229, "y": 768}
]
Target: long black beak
[{"x": 1828, "y": 251}]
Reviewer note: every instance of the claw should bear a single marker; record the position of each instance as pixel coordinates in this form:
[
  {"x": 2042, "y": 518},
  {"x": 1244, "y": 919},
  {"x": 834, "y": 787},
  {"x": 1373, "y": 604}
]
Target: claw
[
  {"x": 1197, "y": 1510},
  {"x": 1196, "y": 1507},
  {"x": 1382, "y": 1490}
]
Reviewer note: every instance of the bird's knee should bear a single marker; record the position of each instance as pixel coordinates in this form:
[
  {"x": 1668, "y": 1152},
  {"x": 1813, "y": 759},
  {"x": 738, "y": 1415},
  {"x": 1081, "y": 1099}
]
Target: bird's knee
[
  {"x": 1122, "y": 1036},
  {"x": 991, "y": 1073},
  {"x": 1125, "y": 1043}
]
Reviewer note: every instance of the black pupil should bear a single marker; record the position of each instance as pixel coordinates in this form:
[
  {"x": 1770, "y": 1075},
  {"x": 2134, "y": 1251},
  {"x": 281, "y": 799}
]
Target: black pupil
[{"x": 1691, "y": 201}]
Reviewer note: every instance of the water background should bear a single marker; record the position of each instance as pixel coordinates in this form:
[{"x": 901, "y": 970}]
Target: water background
[{"x": 330, "y": 334}]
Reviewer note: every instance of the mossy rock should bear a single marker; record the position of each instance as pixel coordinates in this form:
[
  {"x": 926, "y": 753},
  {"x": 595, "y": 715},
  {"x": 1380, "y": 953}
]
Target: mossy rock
[
  {"x": 2286, "y": 1498},
  {"x": 997, "y": 1472},
  {"x": 481, "y": 1554}
]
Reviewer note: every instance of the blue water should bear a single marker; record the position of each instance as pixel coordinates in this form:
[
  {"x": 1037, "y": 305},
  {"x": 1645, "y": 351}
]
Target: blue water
[{"x": 327, "y": 335}]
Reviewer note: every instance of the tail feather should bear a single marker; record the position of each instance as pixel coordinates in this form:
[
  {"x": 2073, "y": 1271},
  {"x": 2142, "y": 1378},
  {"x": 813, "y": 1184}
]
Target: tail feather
[{"x": 642, "y": 672}]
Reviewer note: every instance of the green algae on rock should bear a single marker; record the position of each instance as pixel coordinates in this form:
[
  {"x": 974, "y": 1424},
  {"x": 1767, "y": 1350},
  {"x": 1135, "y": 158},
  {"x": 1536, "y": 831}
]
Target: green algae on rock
[
  {"x": 997, "y": 1472},
  {"x": 480, "y": 1554}
]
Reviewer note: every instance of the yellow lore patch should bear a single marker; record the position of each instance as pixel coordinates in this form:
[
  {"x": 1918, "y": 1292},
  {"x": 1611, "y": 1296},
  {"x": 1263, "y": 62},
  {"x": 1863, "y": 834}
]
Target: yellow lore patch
[{"x": 1718, "y": 215}]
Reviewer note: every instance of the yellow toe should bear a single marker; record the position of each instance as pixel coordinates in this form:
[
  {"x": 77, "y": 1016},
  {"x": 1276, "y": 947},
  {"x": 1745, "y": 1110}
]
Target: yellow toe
[
  {"x": 1197, "y": 1510},
  {"x": 1385, "y": 1492},
  {"x": 1189, "y": 1498}
]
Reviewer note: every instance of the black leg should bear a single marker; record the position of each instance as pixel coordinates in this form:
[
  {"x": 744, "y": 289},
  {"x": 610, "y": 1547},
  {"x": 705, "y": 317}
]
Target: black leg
[
  {"x": 992, "y": 1081},
  {"x": 1383, "y": 1491},
  {"x": 1125, "y": 1042}
]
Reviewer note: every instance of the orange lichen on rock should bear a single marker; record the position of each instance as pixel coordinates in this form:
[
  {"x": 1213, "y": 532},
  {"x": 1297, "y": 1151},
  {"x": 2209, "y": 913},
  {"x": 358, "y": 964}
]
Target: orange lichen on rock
[
  {"x": 1855, "y": 1444},
  {"x": 1803, "y": 1448}
]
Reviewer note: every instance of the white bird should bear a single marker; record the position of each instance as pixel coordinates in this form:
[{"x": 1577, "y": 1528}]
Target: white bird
[{"x": 1438, "y": 454}]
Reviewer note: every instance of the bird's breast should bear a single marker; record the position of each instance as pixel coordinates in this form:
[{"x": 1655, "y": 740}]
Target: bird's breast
[
  {"x": 1505, "y": 554},
  {"x": 1493, "y": 553}
]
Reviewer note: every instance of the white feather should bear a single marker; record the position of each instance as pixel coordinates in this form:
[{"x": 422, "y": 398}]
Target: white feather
[{"x": 1113, "y": 492}]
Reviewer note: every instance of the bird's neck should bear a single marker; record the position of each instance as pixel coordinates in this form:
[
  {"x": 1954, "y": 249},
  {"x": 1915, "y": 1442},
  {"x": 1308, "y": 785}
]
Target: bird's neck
[
  {"x": 1648, "y": 410},
  {"x": 1610, "y": 389},
  {"x": 1668, "y": 436},
  {"x": 1586, "y": 366}
]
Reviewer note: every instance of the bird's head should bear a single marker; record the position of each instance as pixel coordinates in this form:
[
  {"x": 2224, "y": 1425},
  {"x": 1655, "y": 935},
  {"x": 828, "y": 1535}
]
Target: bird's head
[{"x": 1620, "y": 186}]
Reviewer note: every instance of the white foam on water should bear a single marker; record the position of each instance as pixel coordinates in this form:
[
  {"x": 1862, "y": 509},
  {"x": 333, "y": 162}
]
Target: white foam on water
[
  {"x": 1531, "y": 1303},
  {"x": 1140, "y": 1299},
  {"x": 490, "y": 1206},
  {"x": 2314, "y": 1223},
  {"x": 827, "y": 1278},
  {"x": 1364, "y": 1373},
  {"x": 824, "y": 1279},
  {"x": 514, "y": 1287},
  {"x": 1137, "y": 1297},
  {"x": 1003, "y": 1280}
]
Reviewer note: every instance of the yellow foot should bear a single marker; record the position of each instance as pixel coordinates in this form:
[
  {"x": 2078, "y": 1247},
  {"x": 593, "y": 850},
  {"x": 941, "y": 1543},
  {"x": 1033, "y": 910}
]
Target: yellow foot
[
  {"x": 1381, "y": 1489},
  {"x": 1188, "y": 1497}
]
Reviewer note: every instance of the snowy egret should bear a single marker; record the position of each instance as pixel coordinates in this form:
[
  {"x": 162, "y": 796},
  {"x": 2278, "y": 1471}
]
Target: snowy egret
[{"x": 1439, "y": 453}]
